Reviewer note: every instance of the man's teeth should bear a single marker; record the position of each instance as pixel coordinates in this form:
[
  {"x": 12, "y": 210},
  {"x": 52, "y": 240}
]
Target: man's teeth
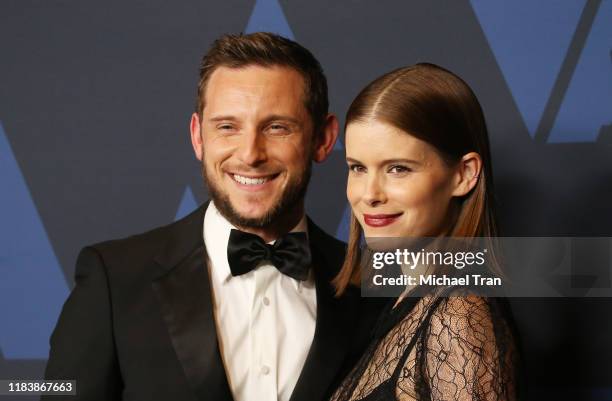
[{"x": 250, "y": 181}]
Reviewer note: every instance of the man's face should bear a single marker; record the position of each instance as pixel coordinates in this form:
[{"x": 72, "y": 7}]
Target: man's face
[{"x": 256, "y": 143}]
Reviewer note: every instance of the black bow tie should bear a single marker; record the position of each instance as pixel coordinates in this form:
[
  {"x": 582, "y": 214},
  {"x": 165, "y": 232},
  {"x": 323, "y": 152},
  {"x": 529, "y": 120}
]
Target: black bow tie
[{"x": 290, "y": 254}]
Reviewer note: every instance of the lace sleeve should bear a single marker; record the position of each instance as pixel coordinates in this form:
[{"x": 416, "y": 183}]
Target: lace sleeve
[
  {"x": 438, "y": 348},
  {"x": 466, "y": 352}
]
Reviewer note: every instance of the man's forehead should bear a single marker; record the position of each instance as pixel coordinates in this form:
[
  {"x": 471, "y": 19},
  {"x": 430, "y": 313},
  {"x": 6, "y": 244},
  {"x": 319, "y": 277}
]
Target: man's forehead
[
  {"x": 256, "y": 76},
  {"x": 254, "y": 87}
]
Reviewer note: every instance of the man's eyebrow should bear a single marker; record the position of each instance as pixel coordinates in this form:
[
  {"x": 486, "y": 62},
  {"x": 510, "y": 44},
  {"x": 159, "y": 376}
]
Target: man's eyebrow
[
  {"x": 268, "y": 119},
  {"x": 222, "y": 118},
  {"x": 280, "y": 117}
]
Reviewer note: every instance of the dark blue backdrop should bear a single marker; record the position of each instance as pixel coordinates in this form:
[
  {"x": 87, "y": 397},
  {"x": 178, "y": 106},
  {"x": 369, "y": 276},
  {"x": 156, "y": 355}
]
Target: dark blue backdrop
[{"x": 94, "y": 141}]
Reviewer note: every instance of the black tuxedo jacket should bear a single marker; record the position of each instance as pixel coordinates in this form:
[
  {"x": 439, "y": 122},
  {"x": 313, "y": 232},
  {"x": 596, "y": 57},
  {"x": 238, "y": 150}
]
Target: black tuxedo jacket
[{"x": 139, "y": 323}]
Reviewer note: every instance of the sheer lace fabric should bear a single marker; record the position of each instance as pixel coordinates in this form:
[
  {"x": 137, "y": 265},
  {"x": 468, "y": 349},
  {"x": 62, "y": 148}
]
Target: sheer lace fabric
[{"x": 457, "y": 347}]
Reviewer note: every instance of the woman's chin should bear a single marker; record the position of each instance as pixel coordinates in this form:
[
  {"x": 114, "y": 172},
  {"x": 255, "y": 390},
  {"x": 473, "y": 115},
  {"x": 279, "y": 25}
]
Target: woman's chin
[
  {"x": 379, "y": 234},
  {"x": 369, "y": 233},
  {"x": 391, "y": 230}
]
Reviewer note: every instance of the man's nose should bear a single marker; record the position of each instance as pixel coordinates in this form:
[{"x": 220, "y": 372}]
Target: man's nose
[
  {"x": 374, "y": 193},
  {"x": 252, "y": 149}
]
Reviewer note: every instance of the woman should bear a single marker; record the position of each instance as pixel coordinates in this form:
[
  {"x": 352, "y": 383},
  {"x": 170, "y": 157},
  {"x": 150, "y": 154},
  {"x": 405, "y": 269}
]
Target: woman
[{"x": 419, "y": 166}]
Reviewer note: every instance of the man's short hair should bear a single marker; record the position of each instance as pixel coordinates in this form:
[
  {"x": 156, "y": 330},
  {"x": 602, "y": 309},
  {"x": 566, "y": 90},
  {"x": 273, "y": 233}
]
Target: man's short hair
[{"x": 267, "y": 49}]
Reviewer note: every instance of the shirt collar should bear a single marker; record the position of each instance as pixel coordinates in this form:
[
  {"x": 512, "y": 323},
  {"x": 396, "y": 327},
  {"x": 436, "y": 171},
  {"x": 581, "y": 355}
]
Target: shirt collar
[{"x": 216, "y": 232}]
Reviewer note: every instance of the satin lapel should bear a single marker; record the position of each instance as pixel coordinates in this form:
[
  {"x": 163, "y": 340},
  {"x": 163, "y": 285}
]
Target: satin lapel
[
  {"x": 330, "y": 342},
  {"x": 185, "y": 300}
]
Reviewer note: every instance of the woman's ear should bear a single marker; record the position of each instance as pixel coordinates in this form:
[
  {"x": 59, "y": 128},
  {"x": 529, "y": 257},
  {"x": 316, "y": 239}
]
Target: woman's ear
[{"x": 468, "y": 171}]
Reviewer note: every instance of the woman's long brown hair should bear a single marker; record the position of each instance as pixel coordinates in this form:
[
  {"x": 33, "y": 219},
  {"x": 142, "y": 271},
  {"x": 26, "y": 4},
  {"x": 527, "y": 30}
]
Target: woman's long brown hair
[{"x": 438, "y": 107}]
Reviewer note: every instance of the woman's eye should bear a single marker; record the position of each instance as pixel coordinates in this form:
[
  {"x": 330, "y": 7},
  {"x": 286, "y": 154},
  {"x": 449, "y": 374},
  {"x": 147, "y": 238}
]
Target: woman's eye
[
  {"x": 356, "y": 168},
  {"x": 397, "y": 169}
]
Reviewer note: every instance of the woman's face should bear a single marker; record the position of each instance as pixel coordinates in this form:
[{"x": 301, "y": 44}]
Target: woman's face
[{"x": 398, "y": 185}]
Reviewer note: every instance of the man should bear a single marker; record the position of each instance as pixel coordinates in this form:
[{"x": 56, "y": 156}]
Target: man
[{"x": 235, "y": 300}]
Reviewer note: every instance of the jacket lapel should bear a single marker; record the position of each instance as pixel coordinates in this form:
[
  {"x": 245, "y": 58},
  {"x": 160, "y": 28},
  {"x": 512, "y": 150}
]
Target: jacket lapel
[
  {"x": 184, "y": 294},
  {"x": 334, "y": 316},
  {"x": 185, "y": 297}
]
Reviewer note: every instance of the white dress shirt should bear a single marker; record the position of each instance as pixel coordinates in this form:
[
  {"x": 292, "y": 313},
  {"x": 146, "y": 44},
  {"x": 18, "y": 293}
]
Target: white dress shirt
[{"x": 265, "y": 320}]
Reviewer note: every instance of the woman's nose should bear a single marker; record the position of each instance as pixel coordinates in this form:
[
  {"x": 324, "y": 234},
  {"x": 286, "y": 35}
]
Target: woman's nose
[{"x": 374, "y": 192}]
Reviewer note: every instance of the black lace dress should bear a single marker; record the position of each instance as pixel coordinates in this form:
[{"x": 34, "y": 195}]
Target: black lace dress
[{"x": 449, "y": 346}]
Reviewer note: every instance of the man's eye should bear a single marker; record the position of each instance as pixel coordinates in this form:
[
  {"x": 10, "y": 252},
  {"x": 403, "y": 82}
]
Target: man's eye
[
  {"x": 225, "y": 127},
  {"x": 398, "y": 169},
  {"x": 278, "y": 128}
]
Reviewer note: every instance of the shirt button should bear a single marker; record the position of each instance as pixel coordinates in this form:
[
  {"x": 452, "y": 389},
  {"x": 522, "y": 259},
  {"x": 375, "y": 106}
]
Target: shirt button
[
  {"x": 266, "y": 301},
  {"x": 265, "y": 370}
]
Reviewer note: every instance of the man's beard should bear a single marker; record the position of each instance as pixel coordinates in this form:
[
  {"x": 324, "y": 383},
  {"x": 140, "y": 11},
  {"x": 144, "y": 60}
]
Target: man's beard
[{"x": 292, "y": 195}]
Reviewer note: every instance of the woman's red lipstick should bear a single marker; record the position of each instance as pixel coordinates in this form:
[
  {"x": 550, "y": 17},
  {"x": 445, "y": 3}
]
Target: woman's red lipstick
[{"x": 380, "y": 220}]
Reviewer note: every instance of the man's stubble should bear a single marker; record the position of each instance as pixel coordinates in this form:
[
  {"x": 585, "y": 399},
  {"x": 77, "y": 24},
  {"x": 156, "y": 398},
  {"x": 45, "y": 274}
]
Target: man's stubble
[{"x": 293, "y": 194}]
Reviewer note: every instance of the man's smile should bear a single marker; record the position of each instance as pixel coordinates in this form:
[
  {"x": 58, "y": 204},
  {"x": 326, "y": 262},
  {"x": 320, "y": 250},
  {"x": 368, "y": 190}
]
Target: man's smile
[{"x": 252, "y": 182}]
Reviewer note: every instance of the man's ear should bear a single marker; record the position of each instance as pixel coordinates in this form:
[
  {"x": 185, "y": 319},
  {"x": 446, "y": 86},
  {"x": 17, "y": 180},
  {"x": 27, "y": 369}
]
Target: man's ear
[
  {"x": 324, "y": 143},
  {"x": 468, "y": 171},
  {"x": 196, "y": 135}
]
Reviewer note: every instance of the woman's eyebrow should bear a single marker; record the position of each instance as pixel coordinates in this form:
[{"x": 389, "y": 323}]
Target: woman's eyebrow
[{"x": 387, "y": 161}]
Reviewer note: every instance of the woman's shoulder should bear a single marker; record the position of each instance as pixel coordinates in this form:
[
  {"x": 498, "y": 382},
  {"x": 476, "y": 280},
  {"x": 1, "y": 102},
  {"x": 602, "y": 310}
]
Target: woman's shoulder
[
  {"x": 453, "y": 313},
  {"x": 462, "y": 314},
  {"x": 461, "y": 317}
]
